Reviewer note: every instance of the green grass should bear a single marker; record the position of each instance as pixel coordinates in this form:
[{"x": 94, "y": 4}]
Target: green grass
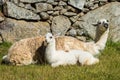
[
  {"x": 107, "y": 69},
  {"x": 4, "y": 48}
]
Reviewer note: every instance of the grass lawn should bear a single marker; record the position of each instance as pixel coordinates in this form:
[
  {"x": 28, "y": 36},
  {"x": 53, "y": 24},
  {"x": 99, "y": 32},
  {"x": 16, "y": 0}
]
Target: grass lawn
[{"x": 107, "y": 69}]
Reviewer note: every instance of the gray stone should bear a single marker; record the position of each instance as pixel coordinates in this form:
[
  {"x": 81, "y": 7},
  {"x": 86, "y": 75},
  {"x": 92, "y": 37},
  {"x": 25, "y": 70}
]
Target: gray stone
[
  {"x": 94, "y": 7},
  {"x": 81, "y": 38},
  {"x": 44, "y": 16},
  {"x": 29, "y": 7},
  {"x": 19, "y": 13},
  {"x": 81, "y": 32},
  {"x": 63, "y": 11},
  {"x": 54, "y": 3},
  {"x": 77, "y": 25},
  {"x": 57, "y": 0},
  {"x": 21, "y": 5},
  {"x": 1, "y": 2},
  {"x": 85, "y": 10},
  {"x": 50, "y": 1},
  {"x": 113, "y": 0},
  {"x": 2, "y": 18},
  {"x": 43, "y": 7},
  {"x": 32, "y": 1},
  {"x": 103, "y": 0},
  {"x": 69, "y": 14},
  {"x": 61, "y": 3},
  {"x": 14, "y": 30},
  {"x": 60, "y": 24},
  {"x": 77, "y": 3},
  {"x": 65, "y": 0},
  {"x": 101, "y": 3},
  {"x": 56, "y": 13},
  {"x": 74, "y": 18},
  {"x": 70, "y": 8},
  {"x": 110, "y": 12},
  {"x": 89, "y": 4},
  {"x": 115, "y": 28},
  {"x": 96, "y": 1},
  {"x": 80, "y": 14},
  {"x": 58, "y": 8},
  {"x": 72, "y": 32},
  {"x": 15, "y": 1},
  {"x": 50, "y": 12},
  {"x": 51, "y": 18}
]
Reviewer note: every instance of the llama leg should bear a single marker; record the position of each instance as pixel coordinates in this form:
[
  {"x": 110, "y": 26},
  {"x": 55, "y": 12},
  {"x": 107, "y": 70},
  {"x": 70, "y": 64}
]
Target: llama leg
[
  {"x": 84, "y": 62},
  {"x": 95, "y": 60},
  {"x": 88, "y": 61},
  {"x": 81, "y": 61},
  {"x": 91, "y": 61},
  {"x": 56, "y": 64}
]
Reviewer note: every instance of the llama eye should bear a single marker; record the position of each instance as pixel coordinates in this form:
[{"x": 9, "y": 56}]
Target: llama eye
[
  {"x": 51, "y": 37},
  {"x": 99, "y": 22},
  {"x": 107, "y": 20}
]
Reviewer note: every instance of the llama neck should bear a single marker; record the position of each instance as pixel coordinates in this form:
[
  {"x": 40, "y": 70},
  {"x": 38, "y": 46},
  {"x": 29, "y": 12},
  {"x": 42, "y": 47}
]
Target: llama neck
[
  {"x": 50, "y": 49},
  {"x": 103, "y": 39}
]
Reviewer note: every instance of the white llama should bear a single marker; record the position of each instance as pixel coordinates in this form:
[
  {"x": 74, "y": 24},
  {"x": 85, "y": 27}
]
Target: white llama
[{"x": 60, "y": 57}]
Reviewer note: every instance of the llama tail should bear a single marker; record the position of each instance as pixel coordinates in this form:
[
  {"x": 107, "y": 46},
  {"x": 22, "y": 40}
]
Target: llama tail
[{"x": 5, "y": 60}]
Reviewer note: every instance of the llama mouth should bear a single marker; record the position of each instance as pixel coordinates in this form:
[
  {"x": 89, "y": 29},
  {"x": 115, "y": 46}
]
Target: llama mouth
[
  {"x": 46, "y": 43},
  {"x": 106, "y": 25}
]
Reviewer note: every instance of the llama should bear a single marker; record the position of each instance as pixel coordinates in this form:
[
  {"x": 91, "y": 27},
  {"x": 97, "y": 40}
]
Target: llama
[
  {"x": 30, "y": 50},
  {"x": 96, "y": 47},
  {"x": 25, "y": 52},
  {"x": 60, "y": 57}
]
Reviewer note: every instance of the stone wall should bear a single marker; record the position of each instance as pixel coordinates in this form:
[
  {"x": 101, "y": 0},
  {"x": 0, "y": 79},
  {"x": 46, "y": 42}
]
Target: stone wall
[{"x": 29, "y": 18}]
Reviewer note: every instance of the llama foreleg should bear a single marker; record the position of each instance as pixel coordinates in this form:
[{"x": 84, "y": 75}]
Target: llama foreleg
[{"x": 56, "y": 64}]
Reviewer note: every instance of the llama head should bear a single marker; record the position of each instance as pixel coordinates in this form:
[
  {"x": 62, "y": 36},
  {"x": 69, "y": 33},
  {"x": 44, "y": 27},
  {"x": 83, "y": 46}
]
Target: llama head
[
  {"x": 101, "y": 27},
  {"x": 103, "y": 23},
  {"x": 49, "y": 38}
]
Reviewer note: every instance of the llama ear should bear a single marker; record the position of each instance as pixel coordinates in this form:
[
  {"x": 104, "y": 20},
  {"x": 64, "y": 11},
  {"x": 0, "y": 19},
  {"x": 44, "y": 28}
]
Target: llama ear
[
  {"x": 56, "y": 35},
  {"x": 94, "y": 24},
  {"x": 98, "y": 22}
]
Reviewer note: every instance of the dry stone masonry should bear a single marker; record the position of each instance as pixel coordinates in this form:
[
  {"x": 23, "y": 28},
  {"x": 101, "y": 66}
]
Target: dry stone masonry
[{"x": 29, "y": 18}]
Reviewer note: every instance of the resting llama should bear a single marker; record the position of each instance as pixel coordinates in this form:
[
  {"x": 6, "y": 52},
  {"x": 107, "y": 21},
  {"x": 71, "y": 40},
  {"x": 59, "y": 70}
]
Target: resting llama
[
  {"x": 31, "y": 50},
  {"x": 60, "y": 57},
  {"x": 99, "y": 44}
]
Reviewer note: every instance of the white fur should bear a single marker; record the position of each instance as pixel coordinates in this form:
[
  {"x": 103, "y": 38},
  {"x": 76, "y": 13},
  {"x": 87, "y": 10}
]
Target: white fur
[{"x": 60, "y": 57}]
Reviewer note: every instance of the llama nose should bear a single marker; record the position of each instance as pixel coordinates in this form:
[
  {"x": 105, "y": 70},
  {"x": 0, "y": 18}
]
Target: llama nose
[{"x": 106, "y": 25}]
